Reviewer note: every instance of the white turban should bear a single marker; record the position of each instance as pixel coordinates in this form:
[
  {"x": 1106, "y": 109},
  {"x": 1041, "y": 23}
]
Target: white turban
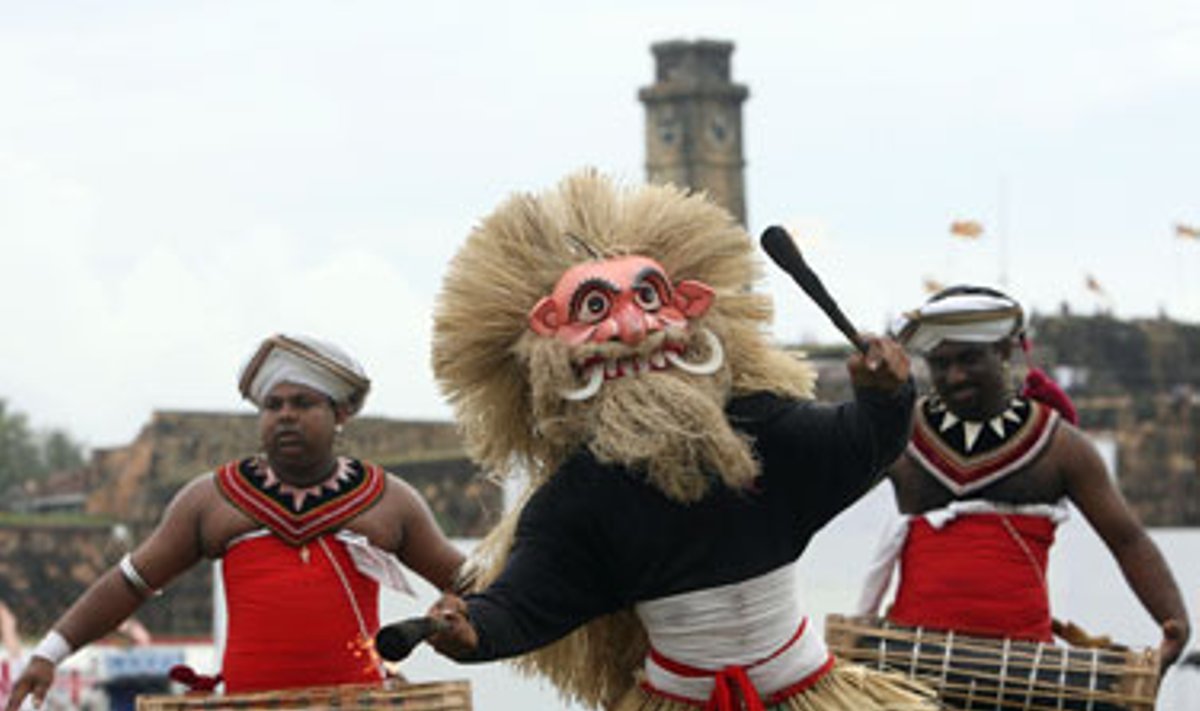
[
  {"x": 304, "y": 361},
  {"x": 966, "y": 317}
]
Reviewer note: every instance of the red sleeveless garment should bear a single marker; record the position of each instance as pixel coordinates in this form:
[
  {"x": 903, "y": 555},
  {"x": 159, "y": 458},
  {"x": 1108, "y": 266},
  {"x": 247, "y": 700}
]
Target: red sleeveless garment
[
  {"x": 294, "y": 622},
  {"x": 982, "y": 573},
  {"x": 299, "y": 611},
  {"x": 973, "y": 576}
]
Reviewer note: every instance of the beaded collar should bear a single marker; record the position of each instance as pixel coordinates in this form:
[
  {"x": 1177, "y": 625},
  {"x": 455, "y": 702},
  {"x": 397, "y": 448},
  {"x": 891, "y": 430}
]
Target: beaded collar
[
  {"x": 299, "y": 514},
  {"x": 965, "y": 455}
]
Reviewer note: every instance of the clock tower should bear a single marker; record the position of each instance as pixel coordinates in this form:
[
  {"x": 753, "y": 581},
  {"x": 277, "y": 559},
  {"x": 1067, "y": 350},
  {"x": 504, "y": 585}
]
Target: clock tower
[{"x": 694, "y": 122}]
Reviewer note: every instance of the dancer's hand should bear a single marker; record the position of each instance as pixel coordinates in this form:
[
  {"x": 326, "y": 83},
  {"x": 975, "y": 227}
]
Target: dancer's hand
[
  {"x": 1174, "y": 636},
  {"x": 456, "y": 637},
  {"x": 885, "y": 366},
  {"x": 35, "y": 679}
]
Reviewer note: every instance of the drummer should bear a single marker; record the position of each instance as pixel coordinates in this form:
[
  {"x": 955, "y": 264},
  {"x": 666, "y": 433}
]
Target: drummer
[
  {"x": 984, "y": 481},
  {"x": 305, "y": 537}
]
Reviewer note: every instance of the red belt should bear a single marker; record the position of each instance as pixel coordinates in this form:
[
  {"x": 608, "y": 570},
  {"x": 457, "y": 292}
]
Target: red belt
[{"x": 732, "y": 681}]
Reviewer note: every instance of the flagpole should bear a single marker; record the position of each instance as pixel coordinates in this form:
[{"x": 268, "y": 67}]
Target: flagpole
[
  {"x": 1180, "y": 285},
  {"x": 1190, "y": 309},
  {"x": 1002, "y": 228}
]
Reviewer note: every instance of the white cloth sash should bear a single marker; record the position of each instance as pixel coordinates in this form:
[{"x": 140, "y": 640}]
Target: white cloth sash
[{"x": 737, "y": 624}]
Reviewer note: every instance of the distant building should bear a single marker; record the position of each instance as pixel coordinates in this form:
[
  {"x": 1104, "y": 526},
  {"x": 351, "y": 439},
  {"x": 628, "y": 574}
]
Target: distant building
[{"x": 694, "y": 122}]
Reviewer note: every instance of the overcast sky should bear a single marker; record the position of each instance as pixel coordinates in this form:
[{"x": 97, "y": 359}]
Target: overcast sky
[{"x": 178, "y": 180}]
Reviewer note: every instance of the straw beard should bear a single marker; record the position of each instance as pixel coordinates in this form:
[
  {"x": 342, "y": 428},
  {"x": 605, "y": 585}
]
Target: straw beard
[{"x": 669, "y": 424}]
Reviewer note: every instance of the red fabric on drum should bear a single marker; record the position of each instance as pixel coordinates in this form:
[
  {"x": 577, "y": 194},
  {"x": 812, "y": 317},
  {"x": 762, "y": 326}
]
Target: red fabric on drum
[{"x": 972, "y": 576}]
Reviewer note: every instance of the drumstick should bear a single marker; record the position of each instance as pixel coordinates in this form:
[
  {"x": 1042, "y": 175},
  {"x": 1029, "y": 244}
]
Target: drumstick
[
  {"x": 778, "y": 244},
  {"x": 397, "y": 640}
]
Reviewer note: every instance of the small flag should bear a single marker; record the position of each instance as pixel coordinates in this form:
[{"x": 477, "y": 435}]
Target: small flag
[
  {"x": 1186, "y": 231},
  {"x": 971, "y": 229}
]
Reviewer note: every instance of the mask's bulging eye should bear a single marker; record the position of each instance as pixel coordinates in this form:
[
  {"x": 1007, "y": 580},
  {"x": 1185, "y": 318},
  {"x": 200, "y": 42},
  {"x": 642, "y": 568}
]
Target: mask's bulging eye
[
  {"x": 648, "y": 298},
  {"x": 593, "y": 307}
]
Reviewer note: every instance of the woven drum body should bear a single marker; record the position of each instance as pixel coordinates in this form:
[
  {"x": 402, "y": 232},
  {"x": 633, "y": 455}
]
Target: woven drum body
[
  {"x": 970, "y": 672},
  {"x": 440, "y": 696}
]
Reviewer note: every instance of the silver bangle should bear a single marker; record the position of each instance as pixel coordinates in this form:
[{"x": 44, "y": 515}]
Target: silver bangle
[
  {"x": 135, "y": 579},
  {"x": 53, "y": 648}
]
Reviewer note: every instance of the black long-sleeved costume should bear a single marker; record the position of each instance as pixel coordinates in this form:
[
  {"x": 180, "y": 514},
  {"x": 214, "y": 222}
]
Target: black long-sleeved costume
[{"x": 596, "y": 539}]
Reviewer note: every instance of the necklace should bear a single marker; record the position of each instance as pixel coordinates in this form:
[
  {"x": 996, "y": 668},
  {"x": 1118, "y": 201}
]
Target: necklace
[
  {"x": 1002, "y": 425},
  {"x": 340, "y": 476},
  {"x": 966, "y": 455},
  {"x": 298, "y": 513}
]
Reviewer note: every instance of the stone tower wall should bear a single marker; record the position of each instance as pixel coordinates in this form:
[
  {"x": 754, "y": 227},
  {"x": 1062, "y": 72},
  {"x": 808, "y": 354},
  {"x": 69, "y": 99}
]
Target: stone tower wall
[{"x": 694, "y": 122}]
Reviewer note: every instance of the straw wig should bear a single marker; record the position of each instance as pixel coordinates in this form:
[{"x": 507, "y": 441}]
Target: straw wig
[{"x": 516, "y": 255}]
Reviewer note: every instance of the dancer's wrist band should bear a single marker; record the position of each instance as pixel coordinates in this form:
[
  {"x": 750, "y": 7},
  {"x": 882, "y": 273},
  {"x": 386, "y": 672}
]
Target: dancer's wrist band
[{"x": 53, "y": 648}]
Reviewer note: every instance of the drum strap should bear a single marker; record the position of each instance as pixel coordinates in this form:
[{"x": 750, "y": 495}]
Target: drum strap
[
  {"x": 1020, "y": 541},
  {"x": 337, "y": 568}
]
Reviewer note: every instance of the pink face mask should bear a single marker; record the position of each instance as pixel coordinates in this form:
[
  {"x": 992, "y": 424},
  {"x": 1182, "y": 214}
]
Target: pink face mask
[{"x": 624, "y": 298}]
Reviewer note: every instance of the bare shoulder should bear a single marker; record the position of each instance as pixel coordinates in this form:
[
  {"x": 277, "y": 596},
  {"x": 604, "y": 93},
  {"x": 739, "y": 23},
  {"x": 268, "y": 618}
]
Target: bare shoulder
[
  {"x": 180, "y": 537},
  {"x": 1077, "y": 462},
  {"x": 196, "y": 496},
  {"x": 215, "y": 520},
  {"x": 1073, "y": 453},
  {"x": 399, "y": 495},
  {"x": 384, "y": 523}
]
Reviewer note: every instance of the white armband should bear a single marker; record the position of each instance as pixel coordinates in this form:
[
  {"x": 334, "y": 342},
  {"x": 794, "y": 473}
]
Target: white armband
[
  {"x": 54, "y": 648},
  {"x": 135, "y": 579}
]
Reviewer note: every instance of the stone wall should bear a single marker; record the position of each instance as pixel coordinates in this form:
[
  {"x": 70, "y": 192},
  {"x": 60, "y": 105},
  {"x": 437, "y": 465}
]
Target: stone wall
[
  {"x": 1136, "y": 381},
  {"x": 1157, "y": 464}
]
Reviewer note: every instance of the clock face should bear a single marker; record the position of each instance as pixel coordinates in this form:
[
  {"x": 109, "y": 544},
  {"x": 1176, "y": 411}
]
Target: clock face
[
  {"x": 668, "y": 130},
  {"x": 719, "y": 130},
  {"x": 666, "y": 134}
]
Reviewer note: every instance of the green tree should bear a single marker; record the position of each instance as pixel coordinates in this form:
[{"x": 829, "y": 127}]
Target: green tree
[
  {"x": 60, "y": 452},
  {"x": 25, "y": 454},
  {"x": 18, "y": 454}
]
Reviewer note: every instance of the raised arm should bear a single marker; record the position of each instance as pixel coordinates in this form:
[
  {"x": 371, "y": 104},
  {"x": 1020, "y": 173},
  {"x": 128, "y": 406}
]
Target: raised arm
[
  {"x": 555, "y": 577},
  {"x": 836, "y": 452},
  {"x": 1097, "y": 497},
  {"x": 171, "y": 549},
  {"x": 879, "y": 377}
]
